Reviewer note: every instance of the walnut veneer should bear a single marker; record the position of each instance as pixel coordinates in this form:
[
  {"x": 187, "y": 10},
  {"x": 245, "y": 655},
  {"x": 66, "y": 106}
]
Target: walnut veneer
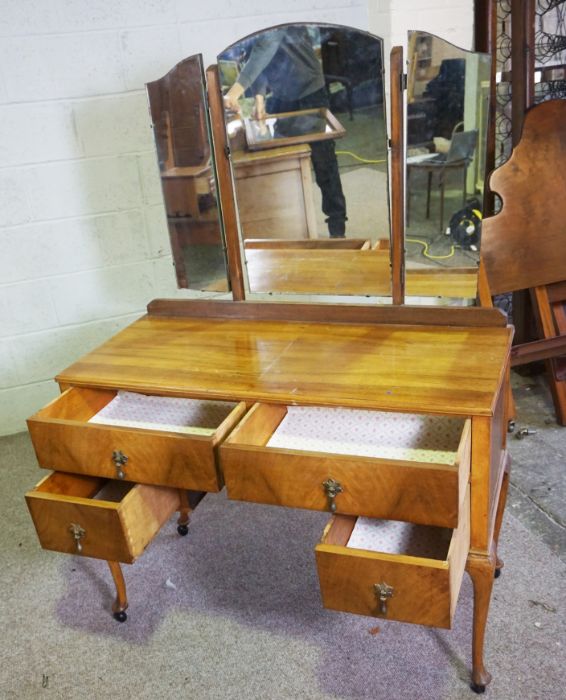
[{"x": 266, "y": 363}]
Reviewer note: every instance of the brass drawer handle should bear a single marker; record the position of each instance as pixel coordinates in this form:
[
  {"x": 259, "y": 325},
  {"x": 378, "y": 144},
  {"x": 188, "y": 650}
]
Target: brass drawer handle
[
  {"x": 78, "y": 533},
  {"x": 383, "y": 592},
  {"x": 120, "y": 460},
  {"x": 332, "y": 488}
]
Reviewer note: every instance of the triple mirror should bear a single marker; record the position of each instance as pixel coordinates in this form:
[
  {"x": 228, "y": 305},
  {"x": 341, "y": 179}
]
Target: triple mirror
[{"x": 305, "y": 120}]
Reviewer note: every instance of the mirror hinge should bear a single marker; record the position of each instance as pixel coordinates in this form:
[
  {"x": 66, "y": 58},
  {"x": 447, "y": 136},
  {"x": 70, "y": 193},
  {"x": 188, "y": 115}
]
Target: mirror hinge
[
  {"x": 227, "y": 152},
  {"x": 403, "y": 80}
]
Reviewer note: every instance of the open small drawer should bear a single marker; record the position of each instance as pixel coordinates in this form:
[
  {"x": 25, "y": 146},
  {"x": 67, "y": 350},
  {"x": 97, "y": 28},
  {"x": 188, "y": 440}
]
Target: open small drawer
[
  {"x": 84, "y": 431},
  {"x": 100, "y": 518},
  {"x": 416, "y": 578},
  {"x": 321, "y": 459}
]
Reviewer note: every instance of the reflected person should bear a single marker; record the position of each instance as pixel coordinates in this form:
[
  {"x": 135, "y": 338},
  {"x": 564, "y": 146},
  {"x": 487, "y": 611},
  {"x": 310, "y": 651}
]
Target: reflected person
[{"x": 284, "y": 63}]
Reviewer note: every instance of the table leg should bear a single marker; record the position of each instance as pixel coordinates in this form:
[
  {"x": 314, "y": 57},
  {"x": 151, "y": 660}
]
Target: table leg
[
  {"x": 121, "y": 602},
  {"x": 481, "y": 570},
  {"x": 499, "y": 515},
  {"x": 184, "y": 513}
]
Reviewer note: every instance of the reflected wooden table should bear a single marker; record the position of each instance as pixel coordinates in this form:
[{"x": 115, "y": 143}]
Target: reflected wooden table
[
  {"x": 274, "y": 192},
  {"x": 346, "y": 271}
]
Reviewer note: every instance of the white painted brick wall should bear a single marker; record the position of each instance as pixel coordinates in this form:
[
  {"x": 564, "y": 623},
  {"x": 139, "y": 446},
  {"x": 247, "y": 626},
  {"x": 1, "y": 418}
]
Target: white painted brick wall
[{"x": 83, "y": 240}]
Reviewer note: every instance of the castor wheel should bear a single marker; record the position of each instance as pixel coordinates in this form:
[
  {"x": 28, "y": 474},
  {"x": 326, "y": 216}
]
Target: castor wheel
[
  {"x": 497, "y": 573},
  {"x": 477, "y": 688},
  {"x": 511, "y": 426},
  {"x": 183, "y": 530},
  {"x": 121, "y": 616}
]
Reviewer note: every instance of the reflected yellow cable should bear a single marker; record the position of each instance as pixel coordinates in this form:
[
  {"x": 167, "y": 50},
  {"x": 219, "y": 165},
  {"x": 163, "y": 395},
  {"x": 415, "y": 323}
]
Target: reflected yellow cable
[
  {"x": 362, "y": 160},
  {"x": 426, "y": 246}
]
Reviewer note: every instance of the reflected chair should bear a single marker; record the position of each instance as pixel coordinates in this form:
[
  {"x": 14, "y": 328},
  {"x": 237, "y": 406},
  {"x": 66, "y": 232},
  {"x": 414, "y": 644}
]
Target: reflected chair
[{"x": 459, "y": 156}]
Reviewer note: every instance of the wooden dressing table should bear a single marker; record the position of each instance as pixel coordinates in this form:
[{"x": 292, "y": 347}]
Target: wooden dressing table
[{"x": 114, "y": 486}]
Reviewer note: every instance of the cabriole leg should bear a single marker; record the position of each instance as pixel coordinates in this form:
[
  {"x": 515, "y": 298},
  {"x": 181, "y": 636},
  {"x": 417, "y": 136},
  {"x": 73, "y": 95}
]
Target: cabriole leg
[
  {"x": 481, "y": 570},
  {"x": 184, "y": 513},
  {"x": 121, "y": 602},
  {"x": 499, "y": 516}
]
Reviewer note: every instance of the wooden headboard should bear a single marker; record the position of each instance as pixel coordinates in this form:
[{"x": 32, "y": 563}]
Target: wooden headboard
[{"x": 524, "y": 245}]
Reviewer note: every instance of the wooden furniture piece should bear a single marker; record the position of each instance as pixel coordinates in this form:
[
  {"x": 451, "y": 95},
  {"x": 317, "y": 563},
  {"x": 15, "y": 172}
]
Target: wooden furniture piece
[
  {"x": 275, "y": 193},
  {"x": 523, "y": 245},
  {"x": 180, "y": 125},
  {"x": 187, "y": 349},
  {"x": 348, "y": 271},
  {"x": 445, "y": 371}
]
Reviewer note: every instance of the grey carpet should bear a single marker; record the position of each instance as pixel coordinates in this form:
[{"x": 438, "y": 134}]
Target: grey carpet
[{"x": 245, "y": 619}]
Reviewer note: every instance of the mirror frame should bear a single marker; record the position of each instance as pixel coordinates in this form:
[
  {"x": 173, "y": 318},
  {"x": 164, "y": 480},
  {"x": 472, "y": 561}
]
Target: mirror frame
[
  {"x": 227, "y": 202},
  {"x": 226, "y": 183}
]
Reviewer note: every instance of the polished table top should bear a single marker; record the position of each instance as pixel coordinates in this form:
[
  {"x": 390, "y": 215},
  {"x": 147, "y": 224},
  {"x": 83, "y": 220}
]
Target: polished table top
[{"x": 429, "y": 369}]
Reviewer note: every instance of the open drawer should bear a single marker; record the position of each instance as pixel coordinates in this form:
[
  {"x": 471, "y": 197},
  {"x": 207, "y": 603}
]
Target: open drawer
[
  {"x": 100, "y": 518},
  {"x": 65, "y": 437},
  {"x": 416, "y": 579},
  {"x": 305, "y": 457}
]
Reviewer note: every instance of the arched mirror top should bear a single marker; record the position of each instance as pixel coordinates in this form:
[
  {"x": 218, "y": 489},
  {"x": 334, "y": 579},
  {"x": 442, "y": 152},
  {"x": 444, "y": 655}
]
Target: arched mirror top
[
  {"x": 300, "y": 111},
  {"x": 448, "y": 92},
  {"x": 306, "y": 126}
]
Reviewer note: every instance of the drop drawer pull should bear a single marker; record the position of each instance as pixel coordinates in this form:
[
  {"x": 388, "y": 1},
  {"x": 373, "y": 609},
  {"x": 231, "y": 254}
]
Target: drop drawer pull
[
  {"x": 383, "y": 591},
  {"x": 332, "y": 488},
  {"x": 120, "y": 460},
  {"x": 78, "y": 533}
]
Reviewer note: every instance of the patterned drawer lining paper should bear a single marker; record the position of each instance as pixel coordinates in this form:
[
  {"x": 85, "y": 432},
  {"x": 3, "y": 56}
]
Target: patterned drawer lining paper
[
  {"x": 194, "y": 416},
  {"x": 387, "y": 435},
  {"x": 395, "y": 537}
]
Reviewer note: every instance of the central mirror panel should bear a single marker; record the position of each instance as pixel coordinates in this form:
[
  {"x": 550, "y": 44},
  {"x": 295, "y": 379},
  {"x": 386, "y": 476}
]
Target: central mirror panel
[
  {"x": 447, "y": 121},
  {"x": 305, "y": 120}
]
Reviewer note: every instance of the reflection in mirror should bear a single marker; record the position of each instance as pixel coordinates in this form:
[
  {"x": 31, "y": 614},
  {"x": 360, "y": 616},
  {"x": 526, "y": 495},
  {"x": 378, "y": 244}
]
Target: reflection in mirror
[
  {"x": 180, "y": 125},
  {"x": 304, "y": 112},
  {"x": 447, "y": 109}
]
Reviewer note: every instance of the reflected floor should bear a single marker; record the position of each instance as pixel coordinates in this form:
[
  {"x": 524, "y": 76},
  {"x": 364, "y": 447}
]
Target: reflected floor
[
  {"x": 364, "y": 183},
  {"x": 428, "y": 230}
]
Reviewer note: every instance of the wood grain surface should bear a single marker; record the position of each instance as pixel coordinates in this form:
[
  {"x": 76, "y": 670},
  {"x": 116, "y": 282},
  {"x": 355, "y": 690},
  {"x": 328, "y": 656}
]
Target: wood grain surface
[
  {"x": 523, "y": 245},
  {"x": 63, "y": 439},
  {"x": 348, "y": 272},
  {"x": 425, "y": 493},
  {"x": 419, "y": 315},
  {"x": 114, "y": 530},
  {"x": 445, "y": 370},
  {"x": 425, "y": 591}
]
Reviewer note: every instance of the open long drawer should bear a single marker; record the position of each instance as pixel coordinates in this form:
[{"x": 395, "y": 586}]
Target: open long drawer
[
  {"x": 303, "y": 462},
  {"x": 100, "y": 518},
  {"x": 416, "y": 579},
  {"x": 66, "y": 438}
]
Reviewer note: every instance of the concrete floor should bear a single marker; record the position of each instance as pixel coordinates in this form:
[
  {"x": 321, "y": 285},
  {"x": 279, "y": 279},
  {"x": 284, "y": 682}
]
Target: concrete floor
[{"x": 538, "y": 469}]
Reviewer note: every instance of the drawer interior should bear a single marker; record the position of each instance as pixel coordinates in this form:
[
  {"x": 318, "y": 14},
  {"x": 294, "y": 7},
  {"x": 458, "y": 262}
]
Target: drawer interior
[
  {"x": 399, "y": 570},
  {"x": 140, "y": 411},
  {"x": 362, "y": 433},
  {"x": 389, "y": 537},
  {"x": 85, "y": 487},
  {"x": 98, "y": 517}
]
